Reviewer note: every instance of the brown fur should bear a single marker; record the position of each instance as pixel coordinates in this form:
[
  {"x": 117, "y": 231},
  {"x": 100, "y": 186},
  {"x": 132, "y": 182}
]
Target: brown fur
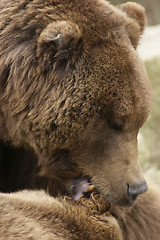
[
  {"x": 35, "y": 215},
  {"x": 140, "y": 222},
  {"x": 74, "y": 92}
]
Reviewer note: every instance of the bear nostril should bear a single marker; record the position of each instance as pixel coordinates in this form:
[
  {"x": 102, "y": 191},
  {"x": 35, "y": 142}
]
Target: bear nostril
[{"x": 134, "y": 191}]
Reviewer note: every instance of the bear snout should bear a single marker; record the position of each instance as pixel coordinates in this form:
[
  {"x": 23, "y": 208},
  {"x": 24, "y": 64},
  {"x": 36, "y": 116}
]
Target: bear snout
[
  {"x": 130, "y": 193},
  {"x": 134, "y": 191}
]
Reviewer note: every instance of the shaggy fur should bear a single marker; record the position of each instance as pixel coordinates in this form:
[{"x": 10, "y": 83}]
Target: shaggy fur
[
  {"x": 37, "y": 216},
  {"x": 74, "y": 94},
  {"x": 141, "y": 221}
]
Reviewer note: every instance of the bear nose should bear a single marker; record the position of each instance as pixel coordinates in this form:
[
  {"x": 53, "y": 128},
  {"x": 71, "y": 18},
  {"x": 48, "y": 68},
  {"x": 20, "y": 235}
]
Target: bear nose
[{"x": 134, "y": 191}]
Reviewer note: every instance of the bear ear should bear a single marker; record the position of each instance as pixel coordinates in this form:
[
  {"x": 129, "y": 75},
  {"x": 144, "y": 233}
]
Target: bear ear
[
  {"x": 137, "y": 22},
  {"x": 57, "y": 44}
]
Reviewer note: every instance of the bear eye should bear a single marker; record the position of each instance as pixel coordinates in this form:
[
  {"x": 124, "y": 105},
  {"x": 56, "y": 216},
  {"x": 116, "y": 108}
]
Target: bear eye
[{"x": 115, "y": 125}]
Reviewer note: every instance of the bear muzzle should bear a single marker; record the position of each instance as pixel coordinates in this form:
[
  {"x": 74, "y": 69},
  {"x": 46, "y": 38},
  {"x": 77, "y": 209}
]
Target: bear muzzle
[
  {"x": 82, "y": 185},
  {"x": 134, "y": 191}
]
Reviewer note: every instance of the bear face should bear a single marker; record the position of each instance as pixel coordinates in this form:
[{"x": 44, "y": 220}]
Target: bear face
[{"x": 75, "y": 91}]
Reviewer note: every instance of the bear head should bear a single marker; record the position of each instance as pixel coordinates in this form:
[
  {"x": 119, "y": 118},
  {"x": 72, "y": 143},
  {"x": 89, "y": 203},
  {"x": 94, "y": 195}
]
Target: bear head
[{"x": 77, "y": 92}]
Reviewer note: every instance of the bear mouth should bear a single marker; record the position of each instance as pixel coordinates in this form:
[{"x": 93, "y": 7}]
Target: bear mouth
[{"x": 81, "y": 187}]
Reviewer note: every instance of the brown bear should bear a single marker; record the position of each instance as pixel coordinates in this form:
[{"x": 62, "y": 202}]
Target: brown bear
[
  {"x": 74, "y": 94},
  {"x": 35, "y": 215}
]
